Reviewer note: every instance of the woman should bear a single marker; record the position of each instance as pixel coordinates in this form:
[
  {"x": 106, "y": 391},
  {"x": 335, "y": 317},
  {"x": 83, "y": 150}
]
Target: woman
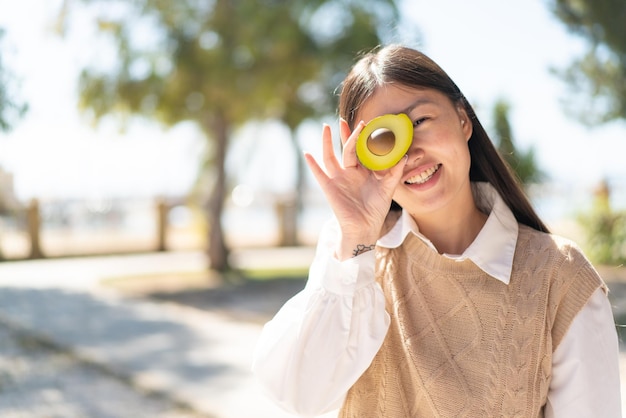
[{"x": 455, "y": 303}]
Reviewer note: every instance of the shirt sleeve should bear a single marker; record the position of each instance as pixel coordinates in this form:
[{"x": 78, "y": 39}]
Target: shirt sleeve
[
  {"x": 585, "y": 366},
  {"x": 322, "y": 340}
]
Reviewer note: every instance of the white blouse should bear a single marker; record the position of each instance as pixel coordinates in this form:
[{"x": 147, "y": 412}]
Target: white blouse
[{"x": 325, "y": 337}]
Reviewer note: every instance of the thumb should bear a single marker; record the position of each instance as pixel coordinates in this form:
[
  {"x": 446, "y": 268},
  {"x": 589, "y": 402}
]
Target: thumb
[
  {"x": 397, "y": 170},
  {"x": 394, "y": 174}
]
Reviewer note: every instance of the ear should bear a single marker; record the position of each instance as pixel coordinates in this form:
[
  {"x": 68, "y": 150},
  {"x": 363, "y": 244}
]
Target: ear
[{"x": 466, "y": 123}]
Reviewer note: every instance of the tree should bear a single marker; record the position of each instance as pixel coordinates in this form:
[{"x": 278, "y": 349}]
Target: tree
[
  {"x": 523, "y": 163},
  {"x": 336, "y": 48},
  {"x": 221, "y": 63},
  {"x": 596, "y": 78},
  {"x": 605, "y": 229},
  {"x": 10, "y": 108}
]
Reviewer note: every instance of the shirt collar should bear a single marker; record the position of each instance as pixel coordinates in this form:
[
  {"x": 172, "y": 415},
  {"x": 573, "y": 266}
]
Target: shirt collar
[{"x": 493, "y": 248}]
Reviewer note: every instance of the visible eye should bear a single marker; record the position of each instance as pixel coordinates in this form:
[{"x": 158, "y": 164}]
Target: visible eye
[{"x": 419, "y": 121}]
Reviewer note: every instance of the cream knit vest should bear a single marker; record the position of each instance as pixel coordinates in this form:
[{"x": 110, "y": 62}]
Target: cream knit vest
[{"x": 463, "y": 344}]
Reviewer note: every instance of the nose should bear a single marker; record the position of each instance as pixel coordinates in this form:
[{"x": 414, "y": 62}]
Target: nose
[{"x": 415, "y": 152}]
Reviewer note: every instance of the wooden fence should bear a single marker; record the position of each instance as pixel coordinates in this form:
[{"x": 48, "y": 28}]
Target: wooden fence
[
  {"x": 32, "y": 232},
  {"x": 31, "y": 237}
]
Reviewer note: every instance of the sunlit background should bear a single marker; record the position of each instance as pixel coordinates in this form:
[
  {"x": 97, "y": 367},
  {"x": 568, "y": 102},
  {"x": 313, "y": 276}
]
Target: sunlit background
[
  {"x": 104, "y": 189},
  {"x": 491, "y": 49}
]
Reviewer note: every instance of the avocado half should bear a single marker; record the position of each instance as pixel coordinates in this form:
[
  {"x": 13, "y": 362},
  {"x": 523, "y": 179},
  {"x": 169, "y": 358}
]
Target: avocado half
[{"x": 384, "y": 141}]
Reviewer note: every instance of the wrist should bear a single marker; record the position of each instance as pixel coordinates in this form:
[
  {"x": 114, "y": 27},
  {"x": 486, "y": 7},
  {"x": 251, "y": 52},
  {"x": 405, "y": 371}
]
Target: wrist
[
  {"x": 352, "y": 248},
  {"x": 362, "y": 248}
]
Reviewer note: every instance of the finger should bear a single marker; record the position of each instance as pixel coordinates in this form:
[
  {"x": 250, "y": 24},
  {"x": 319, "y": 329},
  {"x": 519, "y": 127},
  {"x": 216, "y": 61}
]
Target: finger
[
  {"x": 395, "y": 172},
  {"x": 344, "y": 130},
  {"x": 328, "y": 152},
  {"x": 319, "y": 173},
  {"x": 349, "y": 158}
]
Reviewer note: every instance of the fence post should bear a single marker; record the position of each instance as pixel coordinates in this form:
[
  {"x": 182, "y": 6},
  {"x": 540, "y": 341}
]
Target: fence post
[
  {"x": 33, "y": 219},
  {"x": 162, "y": 210},
  {"x": 287, "y": 211}
]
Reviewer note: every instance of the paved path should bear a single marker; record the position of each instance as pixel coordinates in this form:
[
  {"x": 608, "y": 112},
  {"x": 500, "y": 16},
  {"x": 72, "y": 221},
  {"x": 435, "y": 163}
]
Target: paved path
[
  {"x": 193, "y": 358},
  {"x": 37, "y": 380},
  {"x": 70, "y": 348}
]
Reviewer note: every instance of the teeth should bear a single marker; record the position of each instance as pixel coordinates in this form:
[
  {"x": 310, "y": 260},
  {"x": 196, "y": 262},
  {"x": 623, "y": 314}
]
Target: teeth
[{"x": 424, "y": 176}]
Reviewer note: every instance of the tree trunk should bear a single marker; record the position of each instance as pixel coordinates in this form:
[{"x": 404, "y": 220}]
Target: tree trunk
[
  {"x": 291, "y": 208},
  {"x": 288, "y": 221},
  {"x": 162, "y": 211},
  {"x": 34, "y": 229},
  {"x": 217, "y": 250}
]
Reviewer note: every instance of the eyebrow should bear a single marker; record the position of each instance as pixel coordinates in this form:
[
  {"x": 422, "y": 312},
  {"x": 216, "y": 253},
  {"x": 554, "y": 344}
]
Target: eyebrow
[{"x": 415, "y": 104}]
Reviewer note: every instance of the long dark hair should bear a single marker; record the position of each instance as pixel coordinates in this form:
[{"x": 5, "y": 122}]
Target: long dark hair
[{"x": 411, "y": 68}]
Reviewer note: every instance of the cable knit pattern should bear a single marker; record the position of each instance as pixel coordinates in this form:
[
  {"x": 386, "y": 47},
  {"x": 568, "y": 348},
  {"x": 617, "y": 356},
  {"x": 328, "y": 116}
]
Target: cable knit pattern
[{"x": 463, "y": 344}]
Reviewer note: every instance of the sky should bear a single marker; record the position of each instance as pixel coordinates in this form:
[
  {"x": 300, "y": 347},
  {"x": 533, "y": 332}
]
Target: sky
[
  {"x": 505, "y": 49},
  {"x": 490, "y": 48}
]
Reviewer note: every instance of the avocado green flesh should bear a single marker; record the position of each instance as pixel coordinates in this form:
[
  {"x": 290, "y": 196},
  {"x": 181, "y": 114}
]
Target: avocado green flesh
[{"x": 384, "y": 141}]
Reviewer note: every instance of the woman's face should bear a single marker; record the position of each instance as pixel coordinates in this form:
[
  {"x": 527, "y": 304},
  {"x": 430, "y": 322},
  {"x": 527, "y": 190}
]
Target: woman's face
[{"x": 436, "y": 175}]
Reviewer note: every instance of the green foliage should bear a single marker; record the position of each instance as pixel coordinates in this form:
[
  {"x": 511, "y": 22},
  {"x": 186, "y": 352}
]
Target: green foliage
[
  {"x": 598, "y": 90},
  {"x": 605, "y": 231},
  {"x": 221, "y": 63},
  {"x": 246, "y": 60},
  {"x": 10, "y": 108},
  {"x": 523, "y": 163}
]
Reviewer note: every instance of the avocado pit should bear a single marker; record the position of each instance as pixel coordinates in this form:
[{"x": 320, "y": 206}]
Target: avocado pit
[{"x": 381, "y": 141}]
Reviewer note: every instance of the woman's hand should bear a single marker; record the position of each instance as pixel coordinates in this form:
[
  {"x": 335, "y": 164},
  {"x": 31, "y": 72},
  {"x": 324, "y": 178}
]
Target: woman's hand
[{"x": 360, "y": 198}]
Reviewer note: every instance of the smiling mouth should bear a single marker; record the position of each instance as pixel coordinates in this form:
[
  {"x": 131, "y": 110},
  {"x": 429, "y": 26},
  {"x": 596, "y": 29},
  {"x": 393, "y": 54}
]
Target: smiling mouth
[{"x": 424, "y": 176}]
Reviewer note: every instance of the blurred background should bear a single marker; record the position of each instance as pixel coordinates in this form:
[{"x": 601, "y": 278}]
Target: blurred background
[
  {"x": 153, "y": 127},
  {"x": 124, "y": 121}
]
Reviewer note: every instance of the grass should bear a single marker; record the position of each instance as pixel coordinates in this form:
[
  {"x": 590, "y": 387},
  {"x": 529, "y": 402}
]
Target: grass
[
  {"x": 170, "y": 282},
  {"x": 274, "y": 273}
]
